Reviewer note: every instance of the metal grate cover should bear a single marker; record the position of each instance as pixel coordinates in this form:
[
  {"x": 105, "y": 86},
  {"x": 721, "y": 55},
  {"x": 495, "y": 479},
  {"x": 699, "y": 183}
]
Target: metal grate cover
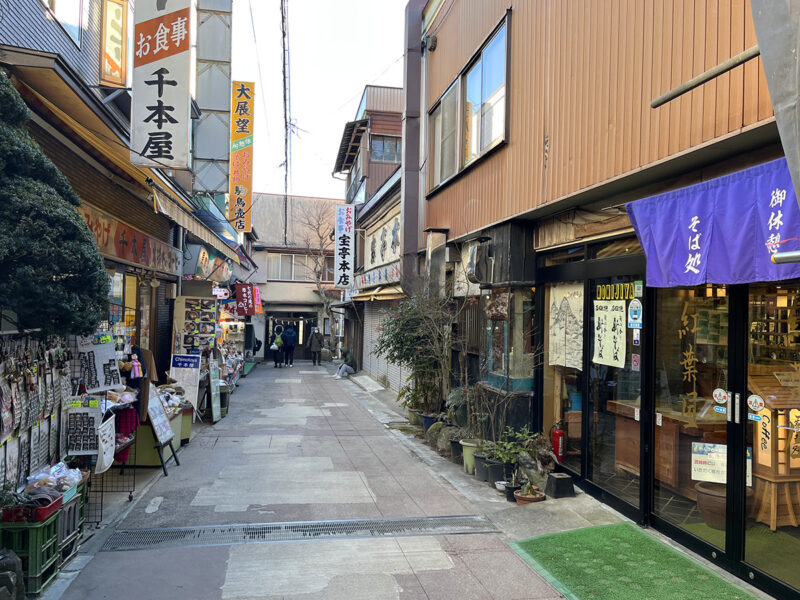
[{"x": 219, "y": 535}]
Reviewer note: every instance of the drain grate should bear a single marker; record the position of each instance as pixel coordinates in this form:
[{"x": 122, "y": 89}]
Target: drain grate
[{"x": 223, "y": 535}]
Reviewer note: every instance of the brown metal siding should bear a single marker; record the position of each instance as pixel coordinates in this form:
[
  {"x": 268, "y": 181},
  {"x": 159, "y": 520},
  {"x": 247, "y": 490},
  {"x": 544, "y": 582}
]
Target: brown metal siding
[
  {"x": 386, "y": 123},
  {"x": 378, "y": 173},
  {"x": 582, "y": 75},
  {"x": 386, "y": 99}
]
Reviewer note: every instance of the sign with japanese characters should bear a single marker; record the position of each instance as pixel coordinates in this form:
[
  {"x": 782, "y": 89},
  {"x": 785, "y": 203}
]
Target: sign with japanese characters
[
  {"x": 381, "y": 276},
  {"x": 609, "y": 333},
  {"x": 117, "y": 240},
  {"x": 245, "y": 299},
  {"x": 721, "y": 231},
  {"x": 95, "y": 363},
  {"x": 344, "y": 251},
  {"x": 161, "y": 105},
  {"x": 185, "y": 370},
  {"x": 114, "y": 43},
  {"x": 240, "y": 193}
]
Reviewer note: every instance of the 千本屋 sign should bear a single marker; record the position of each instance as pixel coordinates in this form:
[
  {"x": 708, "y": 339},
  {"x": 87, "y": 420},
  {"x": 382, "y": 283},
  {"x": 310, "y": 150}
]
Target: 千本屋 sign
[{"x": 161, "y": 104}]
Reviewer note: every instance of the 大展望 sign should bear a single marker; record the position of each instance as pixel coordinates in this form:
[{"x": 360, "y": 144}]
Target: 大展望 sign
[{"x": 240, "y": 193}]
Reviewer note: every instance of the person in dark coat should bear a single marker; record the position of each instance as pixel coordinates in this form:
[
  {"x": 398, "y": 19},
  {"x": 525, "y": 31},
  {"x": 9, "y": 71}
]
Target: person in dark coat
[
  {"x": 277, "y": 353},
  {"x": 315, "y": 343},
  {"x": 348, "y": 367},
  {"x": 289, "y": 342}
]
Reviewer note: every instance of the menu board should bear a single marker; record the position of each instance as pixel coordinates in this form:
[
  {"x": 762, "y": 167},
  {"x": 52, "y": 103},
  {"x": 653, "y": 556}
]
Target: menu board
[
  {"x": 609, "y": 333},
  {"x": 213, "y": 373},
  {"x": 196, "y": 325},
  {"x": 186, "y": 371},
  {"x": 82, "y": 424},
  {"x": 158, "y": 419}
]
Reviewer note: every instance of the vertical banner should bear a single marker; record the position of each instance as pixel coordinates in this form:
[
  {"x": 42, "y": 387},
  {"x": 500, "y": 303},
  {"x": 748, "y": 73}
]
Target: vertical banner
[
  {"x": 114, "y": 48},
  {"x": 240, "y": 192},
  {"x": 345, "y": 243},
  {"x": 162, "y": 63}
]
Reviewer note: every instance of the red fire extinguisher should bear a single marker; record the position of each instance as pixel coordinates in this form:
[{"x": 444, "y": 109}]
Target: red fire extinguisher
[{"x": 557, "y": 438}]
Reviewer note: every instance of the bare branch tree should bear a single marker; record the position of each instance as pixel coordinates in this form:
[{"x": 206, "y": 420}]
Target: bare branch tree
[{"x": 314, "y": 221}]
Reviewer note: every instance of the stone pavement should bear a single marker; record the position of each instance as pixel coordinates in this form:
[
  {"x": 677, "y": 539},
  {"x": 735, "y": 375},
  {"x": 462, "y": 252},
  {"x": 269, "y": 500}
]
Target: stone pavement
[{"x": 298, "y": 445}]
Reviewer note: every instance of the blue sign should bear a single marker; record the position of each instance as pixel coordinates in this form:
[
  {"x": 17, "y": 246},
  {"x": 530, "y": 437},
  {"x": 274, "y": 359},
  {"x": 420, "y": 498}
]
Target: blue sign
[
  {"x": 720, "y": 409},
  {"x": 721, "y": 231},
  {"x": 753, "y": 417}
]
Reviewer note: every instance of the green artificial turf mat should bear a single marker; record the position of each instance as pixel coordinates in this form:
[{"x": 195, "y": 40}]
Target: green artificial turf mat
[
  {"x": 773, "y": 552},
  {"x": 621, "y": 562}
]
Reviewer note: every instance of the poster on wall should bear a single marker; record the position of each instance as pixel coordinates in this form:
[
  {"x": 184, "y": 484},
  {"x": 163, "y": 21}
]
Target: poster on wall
[
  {"x": 95, "y": 362},
  {"x": 609, "y": 333},
  {"x": 565, "y": 325},
  {"x": 105, "y": 443},
  {"x": 185, "y": 370},
  {"x": 710, "y": 463}
]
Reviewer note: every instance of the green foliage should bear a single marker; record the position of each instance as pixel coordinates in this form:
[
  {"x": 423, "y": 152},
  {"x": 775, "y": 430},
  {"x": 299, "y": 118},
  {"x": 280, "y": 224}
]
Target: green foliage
[{"x": 51, "y": 275}]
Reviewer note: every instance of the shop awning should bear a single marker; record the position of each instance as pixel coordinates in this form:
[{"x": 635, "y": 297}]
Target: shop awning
[
  {"x": 389, "y": 292},
  {"x": 721, "y": 231}
]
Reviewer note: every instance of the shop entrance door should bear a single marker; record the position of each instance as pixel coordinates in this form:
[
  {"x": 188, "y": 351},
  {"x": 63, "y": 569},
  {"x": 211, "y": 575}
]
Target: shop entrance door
[{"x": 616, "y": 317}]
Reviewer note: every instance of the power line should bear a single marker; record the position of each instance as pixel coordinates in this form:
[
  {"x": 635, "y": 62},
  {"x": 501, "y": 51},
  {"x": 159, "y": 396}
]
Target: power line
[{"x": 260, "y": 73}]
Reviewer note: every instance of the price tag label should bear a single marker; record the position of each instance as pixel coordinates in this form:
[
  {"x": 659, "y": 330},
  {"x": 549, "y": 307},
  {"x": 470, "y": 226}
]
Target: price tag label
[{"x": 93, "y": 404}]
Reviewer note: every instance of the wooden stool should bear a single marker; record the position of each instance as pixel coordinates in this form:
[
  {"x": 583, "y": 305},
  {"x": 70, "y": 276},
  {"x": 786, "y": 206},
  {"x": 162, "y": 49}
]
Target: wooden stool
[{"x": 773, "y": 504}]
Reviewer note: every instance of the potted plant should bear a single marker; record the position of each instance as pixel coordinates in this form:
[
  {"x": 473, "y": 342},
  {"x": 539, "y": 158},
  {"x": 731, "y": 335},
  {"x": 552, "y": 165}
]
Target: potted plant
[
  {"x": 528, "y": 494},
  {"x": 484, "y": 449},
  {"x": 512, "y": 484}
]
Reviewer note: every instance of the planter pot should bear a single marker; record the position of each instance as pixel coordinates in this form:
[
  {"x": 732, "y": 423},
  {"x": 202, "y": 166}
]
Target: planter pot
[
  {"x": 500, "y": 486},
  {"x": 468, "y": 455},
  {"x": 711, "y": 500},
  {"x": 455, "y": 451},
  {"x": 494, "y": 471},
  {"x": 524, "y": 499},
  {"x": 413, "y": 417},
  {"x": 510, "y": 489},
  {"x": 428, "y": 420},
  {"x": 481, "y": 473}
]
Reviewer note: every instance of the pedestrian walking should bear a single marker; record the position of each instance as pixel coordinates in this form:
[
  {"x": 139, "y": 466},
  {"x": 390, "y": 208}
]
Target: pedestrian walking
[
  {"x": 276, "y": 345},
  {"x": 348, "y": 367},
  {"x": 289, "y": 342},
  {"x": 315, "y": 344}
]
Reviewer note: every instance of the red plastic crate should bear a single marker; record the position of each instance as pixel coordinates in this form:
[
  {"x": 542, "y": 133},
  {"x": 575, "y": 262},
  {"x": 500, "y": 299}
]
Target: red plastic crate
[{"x": 16, "y": 514}]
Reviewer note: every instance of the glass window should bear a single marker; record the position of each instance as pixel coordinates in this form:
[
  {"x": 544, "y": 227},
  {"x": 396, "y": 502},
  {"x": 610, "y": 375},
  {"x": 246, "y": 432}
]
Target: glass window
[
  {"x": 274, "y": 266},
  {"x": 445, "y": 140},
  {"x": 286, "y": 267},
  {"x": 472, "y": 112},
  {"x": 561, "y": 257},
  {"x": 385, "y": 149},
  {"x": 627, "y": 246},
  {"x": 691, "y": 361},
  {"x": 510, "y": 353},
  {"x": 68, "y": 13},
  {"x": 329, "y": 268},
  {"x": 493, "y": 92}
]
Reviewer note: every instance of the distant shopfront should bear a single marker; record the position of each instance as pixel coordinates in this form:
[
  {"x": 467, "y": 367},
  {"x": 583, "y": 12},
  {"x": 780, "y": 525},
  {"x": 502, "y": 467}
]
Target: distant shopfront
[{"x": 680, "y": 399}]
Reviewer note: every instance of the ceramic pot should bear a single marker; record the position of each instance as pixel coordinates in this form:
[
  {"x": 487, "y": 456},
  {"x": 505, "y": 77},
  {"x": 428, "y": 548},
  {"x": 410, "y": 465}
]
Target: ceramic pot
[
  {"x": 481, "y": 472},
  {"x": 711, "y": 502},
  {"x": 468, "y": 448},
  {"x": 455, "y": 451},
  {"x": 413, "y": 417},
  {"x": 523, "y": 499}
]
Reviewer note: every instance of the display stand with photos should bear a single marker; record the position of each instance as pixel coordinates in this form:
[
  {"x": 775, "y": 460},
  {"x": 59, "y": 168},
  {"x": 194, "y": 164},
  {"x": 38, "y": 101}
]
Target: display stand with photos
[
  {"x": 195, "y": 325},
  {"x": 162, "y": 430}
]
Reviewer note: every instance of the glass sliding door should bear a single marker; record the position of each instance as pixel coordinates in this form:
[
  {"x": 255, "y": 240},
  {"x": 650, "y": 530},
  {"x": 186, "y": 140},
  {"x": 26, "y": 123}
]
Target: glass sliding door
[
  {"x": 691, "y": 405},
  {"x": 615, "y": 376},
  {"x": 772, "y": 433}
]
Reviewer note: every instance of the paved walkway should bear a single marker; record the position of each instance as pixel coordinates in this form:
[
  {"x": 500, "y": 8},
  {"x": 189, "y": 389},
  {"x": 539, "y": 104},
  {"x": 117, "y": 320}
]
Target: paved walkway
[{"x": 299, "y": 446}]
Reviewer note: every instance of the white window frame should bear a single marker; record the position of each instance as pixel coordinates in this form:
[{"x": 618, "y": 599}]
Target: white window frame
[{"x": 53, "y": 8}]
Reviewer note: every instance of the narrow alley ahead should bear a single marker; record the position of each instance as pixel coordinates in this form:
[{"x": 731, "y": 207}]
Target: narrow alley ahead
[{"x": 298, "y": 445}]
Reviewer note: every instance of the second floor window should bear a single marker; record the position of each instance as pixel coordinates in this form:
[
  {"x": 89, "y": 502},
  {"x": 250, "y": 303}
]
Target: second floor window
[
  {"x": 385, "y": 149},
  {"x": 68, "y": 13},
  {"x": 444, "y": 121},
  {"x": 297, "y": 267}
]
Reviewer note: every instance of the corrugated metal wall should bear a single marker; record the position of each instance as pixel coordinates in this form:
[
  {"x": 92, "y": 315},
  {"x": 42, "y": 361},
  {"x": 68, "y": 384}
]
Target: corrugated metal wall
[
  {"x": 581, "y": 78},
  {"x": 385, "y": 99}
]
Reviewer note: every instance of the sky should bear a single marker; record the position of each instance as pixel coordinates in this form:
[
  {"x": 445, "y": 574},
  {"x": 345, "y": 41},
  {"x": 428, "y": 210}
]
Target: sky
[{"x": 336, "y": 47}]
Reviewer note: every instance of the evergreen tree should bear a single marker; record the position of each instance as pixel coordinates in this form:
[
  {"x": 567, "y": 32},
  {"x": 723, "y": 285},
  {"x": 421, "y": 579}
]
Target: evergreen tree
[{"x": 51, "y": 275}]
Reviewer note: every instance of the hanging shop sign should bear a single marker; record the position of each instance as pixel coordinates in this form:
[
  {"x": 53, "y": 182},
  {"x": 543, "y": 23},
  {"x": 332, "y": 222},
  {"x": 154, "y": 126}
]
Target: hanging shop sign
[
  {"x": 114, "y": 43},
  {"x": 119, "y": 241},
  {"x": 205, "y": 263},
  {"x": 344, "y": 246},
  {"x": 720, "y": 231},
  {"x": 382, "y": 275},
  {"x": 245, "y": 299},
  {"x": 257, "y": 299},
  {"x": 161, "y": 104},
  {"x": 240, "y": 192}
]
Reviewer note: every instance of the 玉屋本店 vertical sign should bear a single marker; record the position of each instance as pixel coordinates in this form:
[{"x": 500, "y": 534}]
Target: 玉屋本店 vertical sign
[
  {"x": 345, "y": 243},
  {"x": 114, "y": 50},
  {"x": 160, "y": 115},
  {"x": 240, "y": 194}
]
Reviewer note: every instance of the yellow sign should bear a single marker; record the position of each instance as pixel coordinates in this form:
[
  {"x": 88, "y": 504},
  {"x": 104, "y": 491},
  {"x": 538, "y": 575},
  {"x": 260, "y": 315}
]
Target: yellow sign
[
  {"x": 240, "y": 192},
  {"x": 113, "y": 53}
]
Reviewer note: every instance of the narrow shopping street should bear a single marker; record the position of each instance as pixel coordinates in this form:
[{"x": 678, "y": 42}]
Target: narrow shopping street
[{"x": 298, "y": 445}]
